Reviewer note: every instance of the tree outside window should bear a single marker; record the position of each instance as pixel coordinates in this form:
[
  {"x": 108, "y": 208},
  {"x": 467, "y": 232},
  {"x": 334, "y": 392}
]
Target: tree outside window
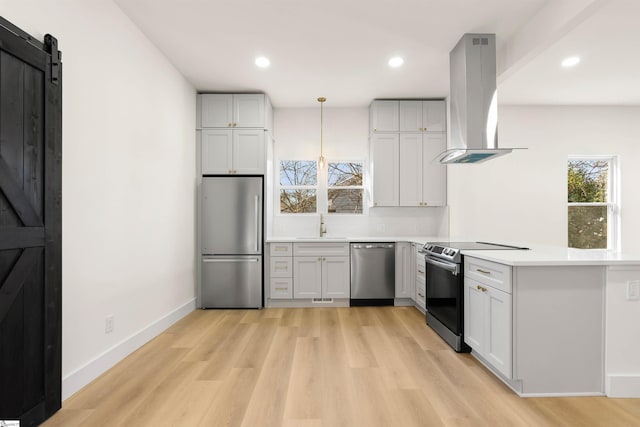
[
  {"x": 345, "y": 187},
  {"x": 592, "y": 212},
  {"x": 298, "y": 186}
]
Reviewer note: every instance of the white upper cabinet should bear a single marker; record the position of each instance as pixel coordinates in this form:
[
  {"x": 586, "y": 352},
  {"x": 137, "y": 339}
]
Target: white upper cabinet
[
  {"x": 248, "y": 111},
  {"x": 385, "y": 164},
  {"x": 216, "y": 110},
  {"x": 423, "y": 116},
  {"x": 217, "y": 151},
  {"x": 223, "y": 110},
  {"x": 238, "y": 151},
  {"x": 384, "y": 116},
  {"x": 422, "y": 182},
  {"x": 434, "y": 174}
]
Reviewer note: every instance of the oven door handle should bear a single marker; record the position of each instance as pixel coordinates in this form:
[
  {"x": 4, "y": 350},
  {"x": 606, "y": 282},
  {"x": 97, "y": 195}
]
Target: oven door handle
[{"x": 452, "y": 267}]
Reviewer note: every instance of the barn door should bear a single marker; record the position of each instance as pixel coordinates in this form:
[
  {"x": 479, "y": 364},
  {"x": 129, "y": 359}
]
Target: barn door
[{"x": 30, "y": 226}]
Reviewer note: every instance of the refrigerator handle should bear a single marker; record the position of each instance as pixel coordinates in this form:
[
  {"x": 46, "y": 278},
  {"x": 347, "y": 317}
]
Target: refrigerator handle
[{"x": 257, "y": 217}]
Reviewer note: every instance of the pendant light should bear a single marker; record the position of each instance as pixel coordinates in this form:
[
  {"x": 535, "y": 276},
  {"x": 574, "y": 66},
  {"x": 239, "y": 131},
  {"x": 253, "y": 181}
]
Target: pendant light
[{"x": 321, "y": 160}]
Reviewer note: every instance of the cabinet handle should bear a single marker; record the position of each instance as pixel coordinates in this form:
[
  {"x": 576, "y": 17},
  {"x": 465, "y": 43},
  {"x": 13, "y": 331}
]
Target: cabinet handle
[
  {"x": 375, "y": 204},
  {"x": 235, "y": 124},
  {"x": 420, "y": 271},
  {"x": 484, "y": 271},
  {"x": 480, "y": 288},
  {"x": 375, "y": 129},
  {"x": 282, "y": 289},
  {"x": 420, "y": 295},
  {"x": 319, "y": 258},
  {"x": 324, "y": 259},
  {"x": 228, "y": 125},
  {"x": 424, "y": 129}
]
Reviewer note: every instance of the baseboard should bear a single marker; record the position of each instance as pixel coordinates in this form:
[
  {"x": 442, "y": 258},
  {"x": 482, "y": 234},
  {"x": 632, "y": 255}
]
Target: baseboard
[
  {"x": 623, "y": 385},
  {"x": 82, "y": 376}
]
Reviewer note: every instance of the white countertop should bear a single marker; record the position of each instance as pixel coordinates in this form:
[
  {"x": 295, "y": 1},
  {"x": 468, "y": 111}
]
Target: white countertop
[
  {"x": 555, "y": 256},
  {"x": 537, "y": 255}
]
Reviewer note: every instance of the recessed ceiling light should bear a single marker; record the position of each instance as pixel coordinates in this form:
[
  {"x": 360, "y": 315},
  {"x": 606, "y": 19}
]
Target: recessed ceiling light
[
  {"x": 570, "y": 61},
  {"x": 396, "y": 62},
  {"x": 262, "y": 62}
]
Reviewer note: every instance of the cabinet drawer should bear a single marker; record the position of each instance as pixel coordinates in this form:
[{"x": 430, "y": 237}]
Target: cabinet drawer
[
  {"x": 280, "y": 249},
  {"x": 488, "y": 273},
  {"x": 281, "y": 267},
  {"x": 420, "y": 268},
  {"x": 281, "y": 288},
  {"x": 320, "y": 249},
  {"x": 420, "y": 293}
]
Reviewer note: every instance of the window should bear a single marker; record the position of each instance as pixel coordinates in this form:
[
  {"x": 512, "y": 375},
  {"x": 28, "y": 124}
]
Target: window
[
  {"x": 344, "y": 187},
  {"x": 337, "y": 189},
  {"x": 592, "y": 209},
  {"x": 298, "y": 186}
]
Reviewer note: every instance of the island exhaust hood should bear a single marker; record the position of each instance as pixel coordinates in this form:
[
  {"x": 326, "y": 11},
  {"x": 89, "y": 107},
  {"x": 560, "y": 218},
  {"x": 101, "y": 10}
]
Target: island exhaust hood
[{"x": 473, "y": 100}]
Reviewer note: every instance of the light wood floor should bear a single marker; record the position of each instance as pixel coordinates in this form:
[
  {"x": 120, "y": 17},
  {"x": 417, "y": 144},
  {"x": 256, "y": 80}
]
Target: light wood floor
[{"x": 316, "y": 367}]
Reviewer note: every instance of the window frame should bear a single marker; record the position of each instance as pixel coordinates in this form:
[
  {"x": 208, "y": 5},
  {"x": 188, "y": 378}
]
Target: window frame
[
  {"x": 321, "y": 187},
  {"x": 344, "y": 187},
  {"x": 612, "y": 203},
  {"x": 281, "y": 187}
]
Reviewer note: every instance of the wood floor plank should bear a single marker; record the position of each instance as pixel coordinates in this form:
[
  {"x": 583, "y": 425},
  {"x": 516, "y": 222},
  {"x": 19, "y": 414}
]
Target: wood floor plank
[
  {"x": 316, "y": 367},
  {"x": 267, "y": 405}
]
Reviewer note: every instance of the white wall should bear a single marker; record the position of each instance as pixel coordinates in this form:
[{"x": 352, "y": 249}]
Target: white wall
[
  {"x": 521, "y": 197},
  {"x": 128, "y": 182},
  {"x": 345, "y": 137}
]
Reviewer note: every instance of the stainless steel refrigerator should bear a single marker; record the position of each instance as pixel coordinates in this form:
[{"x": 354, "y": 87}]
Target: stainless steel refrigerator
[{"x": 231, "y": 242}]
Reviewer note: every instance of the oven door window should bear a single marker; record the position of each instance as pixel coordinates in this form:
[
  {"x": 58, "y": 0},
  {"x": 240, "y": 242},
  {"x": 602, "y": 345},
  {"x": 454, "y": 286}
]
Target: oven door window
[{"x": 444, "y": 293}]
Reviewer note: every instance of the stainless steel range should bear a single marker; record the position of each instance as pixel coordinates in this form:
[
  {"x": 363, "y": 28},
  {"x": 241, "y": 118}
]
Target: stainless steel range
[{"x": 445, "y": 284}]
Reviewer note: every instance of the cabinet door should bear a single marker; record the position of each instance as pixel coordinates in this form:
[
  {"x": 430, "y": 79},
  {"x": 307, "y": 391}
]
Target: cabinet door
[
  {"x": 281, "y": 288},
  {"x": 403, "y": 270},
  {"x": 385, "y": 164},
  {"x": 248, "y": 151},
  {"x": 434, "y": 116},
  {"x": 498, "y": 326},
  {"x": 434, "y": 175},
  {"x": 335, "y": 277},
  {"x": 217, "y": 151},
  {"x": 411, "y": 116},
  {"x": 307, "y": 277},
  {"x": 474, "y": 315},
  {"x": 410, "y": 169},
  {"x": 216, "y": 110},
  {"x": 385, "y": 116},
  {"x": 248, "y": 110}
]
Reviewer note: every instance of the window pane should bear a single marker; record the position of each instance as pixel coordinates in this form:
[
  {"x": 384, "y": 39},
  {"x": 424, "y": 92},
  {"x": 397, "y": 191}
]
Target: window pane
[
  {"x": 588, "y": 181},
  {"x": 298, "y": 172},
  {"x": 344, "y": 201},
  {"x": 344, "y": 174},
  {"x": 588, "y": 227},
  {"x": 298, "y": 201}
]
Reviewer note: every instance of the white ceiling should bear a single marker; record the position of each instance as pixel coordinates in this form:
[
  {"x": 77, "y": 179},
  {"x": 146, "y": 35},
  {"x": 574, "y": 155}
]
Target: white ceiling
[{"x": 339, "y": 48}]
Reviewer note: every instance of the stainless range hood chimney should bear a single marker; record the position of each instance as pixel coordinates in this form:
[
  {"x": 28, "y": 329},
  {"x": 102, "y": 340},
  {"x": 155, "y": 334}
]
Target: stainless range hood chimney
[{"x": 473, "y": 100}]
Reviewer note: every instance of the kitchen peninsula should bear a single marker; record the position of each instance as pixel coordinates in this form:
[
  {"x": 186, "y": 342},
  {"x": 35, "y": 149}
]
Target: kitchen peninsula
[{"x": 557, "y": 331}]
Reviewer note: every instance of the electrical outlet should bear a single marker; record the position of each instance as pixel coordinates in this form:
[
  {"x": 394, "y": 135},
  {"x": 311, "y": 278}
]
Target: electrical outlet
[
  {"x": 633, "y": 290},
  {"x": 108, "y": 324}
]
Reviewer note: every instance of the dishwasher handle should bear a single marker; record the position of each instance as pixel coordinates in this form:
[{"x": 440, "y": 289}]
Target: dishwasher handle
[{"x": 373, "y": 246}]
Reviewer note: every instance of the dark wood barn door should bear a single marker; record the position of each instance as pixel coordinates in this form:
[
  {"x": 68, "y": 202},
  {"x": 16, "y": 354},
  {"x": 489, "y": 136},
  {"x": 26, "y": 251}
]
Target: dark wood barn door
[{"x": 30, "y": 226}]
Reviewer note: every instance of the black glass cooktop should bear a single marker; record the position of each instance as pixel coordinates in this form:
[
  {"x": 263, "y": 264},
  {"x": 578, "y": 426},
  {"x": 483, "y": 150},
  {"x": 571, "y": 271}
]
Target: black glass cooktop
[{"x": 475, "y": 245}]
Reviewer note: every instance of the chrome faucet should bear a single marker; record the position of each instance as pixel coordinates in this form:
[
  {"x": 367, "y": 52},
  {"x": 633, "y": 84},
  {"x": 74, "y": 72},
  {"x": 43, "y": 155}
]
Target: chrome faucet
[{"x": 323, "y": 227}]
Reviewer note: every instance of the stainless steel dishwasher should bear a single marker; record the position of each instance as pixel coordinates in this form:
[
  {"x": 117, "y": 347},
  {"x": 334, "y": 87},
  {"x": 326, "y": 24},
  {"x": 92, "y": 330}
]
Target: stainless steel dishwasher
[{"x": 373, "y": 273}]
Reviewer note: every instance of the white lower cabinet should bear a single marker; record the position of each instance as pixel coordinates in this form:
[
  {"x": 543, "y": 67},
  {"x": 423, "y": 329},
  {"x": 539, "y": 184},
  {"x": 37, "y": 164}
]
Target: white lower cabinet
[
  {"x": 321, "y": 270},
  {"x": 280, "y": 271},
  {"x": 420, "y": 294},
  {"x": 403, "y": 270},
  {"x": 488, "y": 320}
]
